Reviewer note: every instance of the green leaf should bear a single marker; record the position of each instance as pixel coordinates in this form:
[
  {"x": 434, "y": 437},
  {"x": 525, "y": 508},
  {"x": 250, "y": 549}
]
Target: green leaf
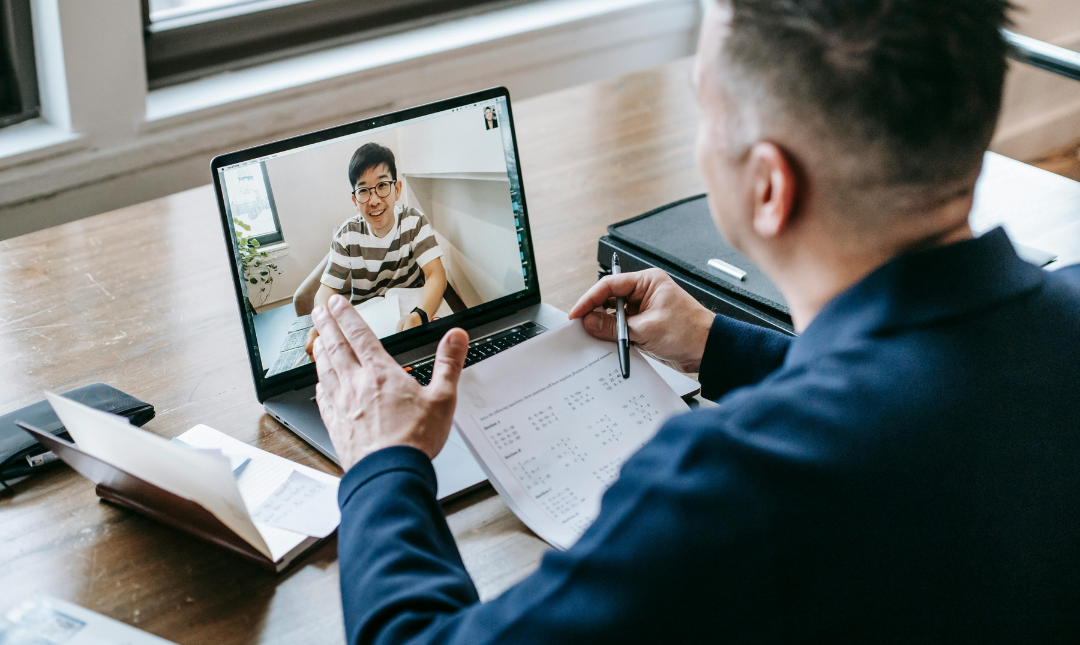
[
  {"x": 254, "y": 242},
  {"x": 253, "y": 281}
]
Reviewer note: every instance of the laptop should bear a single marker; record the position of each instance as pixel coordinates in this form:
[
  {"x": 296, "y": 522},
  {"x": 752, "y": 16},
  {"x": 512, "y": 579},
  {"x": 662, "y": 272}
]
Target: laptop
[{"x": 376, "y": 210}]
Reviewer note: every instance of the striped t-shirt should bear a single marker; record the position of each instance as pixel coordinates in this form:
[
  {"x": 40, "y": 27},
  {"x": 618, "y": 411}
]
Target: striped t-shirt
[{"x": 377, "y": 264}]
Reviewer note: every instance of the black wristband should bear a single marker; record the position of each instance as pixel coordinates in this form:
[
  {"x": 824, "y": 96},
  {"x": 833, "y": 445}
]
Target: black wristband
[{"x": 423, "y": 315}]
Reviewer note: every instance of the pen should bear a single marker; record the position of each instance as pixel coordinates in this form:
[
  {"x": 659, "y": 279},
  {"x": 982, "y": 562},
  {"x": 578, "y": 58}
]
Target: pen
[
  {"x": 620, "y": 319},
  {"x": 729, "y": 269}
]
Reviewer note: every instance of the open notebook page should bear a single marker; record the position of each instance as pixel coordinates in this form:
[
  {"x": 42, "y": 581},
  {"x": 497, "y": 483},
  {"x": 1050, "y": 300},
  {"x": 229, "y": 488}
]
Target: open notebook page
[
  {"x": 552, "y": 421},
  {"x": 261, "y": 478}
]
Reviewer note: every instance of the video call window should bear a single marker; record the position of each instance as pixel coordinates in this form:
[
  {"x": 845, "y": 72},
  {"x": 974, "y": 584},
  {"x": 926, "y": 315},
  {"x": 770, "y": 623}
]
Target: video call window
[{"x": 413, "y": 223}]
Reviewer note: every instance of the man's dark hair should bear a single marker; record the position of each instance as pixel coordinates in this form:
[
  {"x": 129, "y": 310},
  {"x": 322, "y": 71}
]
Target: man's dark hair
[
  {"x": 369, "y": 156},
  {"x": 919, "y": 80}
]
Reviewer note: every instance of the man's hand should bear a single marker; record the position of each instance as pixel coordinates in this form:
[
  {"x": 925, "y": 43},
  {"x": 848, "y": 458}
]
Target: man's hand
[
  {"x": 367, "y": 401},
  {"x": 409, "y": 320},
  {"x": 661, "y": 317}
]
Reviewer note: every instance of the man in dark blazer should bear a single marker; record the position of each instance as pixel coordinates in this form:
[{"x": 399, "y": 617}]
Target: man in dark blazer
[{"x": 907, "y": 470}]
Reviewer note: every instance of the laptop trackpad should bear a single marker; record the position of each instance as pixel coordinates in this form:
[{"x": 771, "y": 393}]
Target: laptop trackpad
[{"x": 455, "y": 467}]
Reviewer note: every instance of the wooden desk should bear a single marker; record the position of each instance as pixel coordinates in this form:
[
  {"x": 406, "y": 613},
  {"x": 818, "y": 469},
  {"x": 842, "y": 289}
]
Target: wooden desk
[{"x": 141, "y": 298}]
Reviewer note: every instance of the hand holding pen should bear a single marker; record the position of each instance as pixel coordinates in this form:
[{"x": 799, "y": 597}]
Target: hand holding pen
[{"x": 661, "y": 318}]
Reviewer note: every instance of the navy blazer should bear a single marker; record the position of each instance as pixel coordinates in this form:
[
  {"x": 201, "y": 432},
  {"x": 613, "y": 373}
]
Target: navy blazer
[{"x": 907, "y": 470}]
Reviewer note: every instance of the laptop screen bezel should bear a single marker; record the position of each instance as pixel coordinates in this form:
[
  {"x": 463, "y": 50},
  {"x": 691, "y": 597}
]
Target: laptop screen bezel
[{"x": 305, "y": 375}]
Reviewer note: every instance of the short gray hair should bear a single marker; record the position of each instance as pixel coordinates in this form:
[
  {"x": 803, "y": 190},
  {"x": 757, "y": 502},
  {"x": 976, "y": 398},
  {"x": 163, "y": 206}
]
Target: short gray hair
[{"x": 912, "y": 88}]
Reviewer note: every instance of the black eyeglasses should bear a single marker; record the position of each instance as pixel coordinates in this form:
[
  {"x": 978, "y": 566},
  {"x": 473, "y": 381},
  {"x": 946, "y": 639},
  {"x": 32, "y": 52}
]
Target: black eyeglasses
[{"x": 382, "y": 189}]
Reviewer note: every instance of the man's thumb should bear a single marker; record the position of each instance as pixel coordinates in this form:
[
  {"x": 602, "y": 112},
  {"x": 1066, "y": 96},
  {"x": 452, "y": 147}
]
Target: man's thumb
[
  {"x": 601, "y": 325},
  {"x": 449, "y": 360}
]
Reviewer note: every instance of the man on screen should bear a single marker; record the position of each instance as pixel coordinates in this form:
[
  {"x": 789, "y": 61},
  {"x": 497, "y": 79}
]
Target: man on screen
[{"x": 385, "y": 245}]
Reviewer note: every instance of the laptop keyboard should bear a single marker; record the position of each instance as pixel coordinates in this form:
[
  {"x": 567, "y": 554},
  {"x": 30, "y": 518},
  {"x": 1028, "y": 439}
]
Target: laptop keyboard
[{"x": 480, "y": 349}]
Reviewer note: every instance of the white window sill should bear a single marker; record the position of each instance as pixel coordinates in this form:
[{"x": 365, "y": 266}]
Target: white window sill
[
  {"x": 241, "y": 88},
  {"x": 276, "y": 250},
  {"x": 35, "y": 140}
]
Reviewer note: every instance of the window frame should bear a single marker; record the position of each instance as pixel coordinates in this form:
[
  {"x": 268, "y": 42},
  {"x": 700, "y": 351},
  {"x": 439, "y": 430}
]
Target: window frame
[
  {"x": 183, "y": 48},
  {"x": 267, "y": 239},
  {"x": 18, "y": 44}
]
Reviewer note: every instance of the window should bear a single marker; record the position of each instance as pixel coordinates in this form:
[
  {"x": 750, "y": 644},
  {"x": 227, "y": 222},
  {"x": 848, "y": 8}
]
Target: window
[
  {"x": 18, "y": 76},
  {"x": 251, "y": 203},
  {"x": 190, "y": 38}
]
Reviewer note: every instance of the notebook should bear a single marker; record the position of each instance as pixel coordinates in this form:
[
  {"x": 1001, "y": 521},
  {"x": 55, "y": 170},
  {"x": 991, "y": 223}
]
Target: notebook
[{"x": 271, "y": 511}]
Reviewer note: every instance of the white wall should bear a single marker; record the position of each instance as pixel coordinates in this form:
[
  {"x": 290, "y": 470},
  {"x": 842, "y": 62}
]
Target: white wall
[
  {"x": 1041, "y": 111},
  {"x": 455, "y": 143},
  {"x": 455, "y": 169},
  {"x": 474, "y": 224}
]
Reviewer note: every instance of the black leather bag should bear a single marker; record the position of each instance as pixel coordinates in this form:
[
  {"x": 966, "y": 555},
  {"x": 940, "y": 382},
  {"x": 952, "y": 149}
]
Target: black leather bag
[
  {"x": 18, "y": 449},
  {"x": 681, "y": 238}
]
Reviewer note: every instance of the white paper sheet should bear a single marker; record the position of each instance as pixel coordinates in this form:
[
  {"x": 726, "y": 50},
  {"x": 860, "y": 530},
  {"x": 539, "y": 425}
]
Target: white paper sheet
[
  {"x": 381, "y": 314},
  {"x": 43, "y": 619},
  {"x": 409, "y": 299},
  {"x": 263, "y": 475},
  {"x": 551, "y": 421},
  {"x": 236, "y": 462},
  {"x": 302, "y": 505}
]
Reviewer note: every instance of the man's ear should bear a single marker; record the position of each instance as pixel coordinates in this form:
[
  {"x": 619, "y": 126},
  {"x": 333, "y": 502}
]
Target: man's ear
[
  {"x": 397, "y": 186},
  {"x": 774, "y": 189},
  {"x": 355, "y": 203}
]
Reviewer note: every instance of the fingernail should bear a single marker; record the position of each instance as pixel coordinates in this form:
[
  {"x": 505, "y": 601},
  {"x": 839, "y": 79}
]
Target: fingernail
[
  {"x": 592, "y": 322},
  {"x": 457, "y": 341},
  {"x": 337, "y": 303},
  {"x": 318, "y": 313}
]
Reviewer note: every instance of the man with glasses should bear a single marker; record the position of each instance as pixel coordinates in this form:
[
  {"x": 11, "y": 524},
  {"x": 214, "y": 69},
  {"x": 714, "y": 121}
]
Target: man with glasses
[{"x": 385, "y": 245}]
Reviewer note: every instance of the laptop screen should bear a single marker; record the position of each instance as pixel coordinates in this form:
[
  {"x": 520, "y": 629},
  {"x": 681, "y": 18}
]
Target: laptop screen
[{"x": 417, "y": 221}]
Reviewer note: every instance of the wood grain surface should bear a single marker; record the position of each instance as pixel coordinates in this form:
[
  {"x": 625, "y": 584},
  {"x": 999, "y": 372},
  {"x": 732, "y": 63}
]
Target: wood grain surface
[{"x": 141, "y": 298}]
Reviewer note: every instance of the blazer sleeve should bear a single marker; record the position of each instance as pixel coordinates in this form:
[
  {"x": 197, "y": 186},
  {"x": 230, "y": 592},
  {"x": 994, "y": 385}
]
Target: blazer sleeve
[
  {"x": 738, "y": 354},
  {"x": 403, "y": 580}
]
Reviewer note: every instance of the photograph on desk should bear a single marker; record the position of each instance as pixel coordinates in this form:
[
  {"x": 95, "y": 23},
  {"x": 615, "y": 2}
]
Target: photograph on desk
[{"x": 412, "y": 222}]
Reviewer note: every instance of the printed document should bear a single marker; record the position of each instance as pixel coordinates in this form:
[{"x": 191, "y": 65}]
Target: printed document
[{"x": 552, "y": 421}]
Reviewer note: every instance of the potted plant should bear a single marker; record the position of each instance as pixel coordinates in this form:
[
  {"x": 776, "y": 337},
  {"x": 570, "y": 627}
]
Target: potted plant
[{"x": 258, "y": 267}]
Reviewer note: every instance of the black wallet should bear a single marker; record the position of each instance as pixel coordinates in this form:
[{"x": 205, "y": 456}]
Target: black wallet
[{"x": 21, "y": 454}]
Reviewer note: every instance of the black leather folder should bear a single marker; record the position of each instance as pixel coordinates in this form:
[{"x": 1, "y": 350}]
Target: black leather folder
[
  {"x": 17, "y": 446},
  {"x": 681, "y": 238}
]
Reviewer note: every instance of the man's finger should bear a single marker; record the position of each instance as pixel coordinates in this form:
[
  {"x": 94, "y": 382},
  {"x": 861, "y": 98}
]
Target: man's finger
[
  {"x": 449, "y": 361},
  {"x": 363, "y": 341},
  {"x": 327, "y": 376},
  {"x": 601, "y": 324},
  {"x": 333, "y": 345},
  {"x": 624, "y": 284}
]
